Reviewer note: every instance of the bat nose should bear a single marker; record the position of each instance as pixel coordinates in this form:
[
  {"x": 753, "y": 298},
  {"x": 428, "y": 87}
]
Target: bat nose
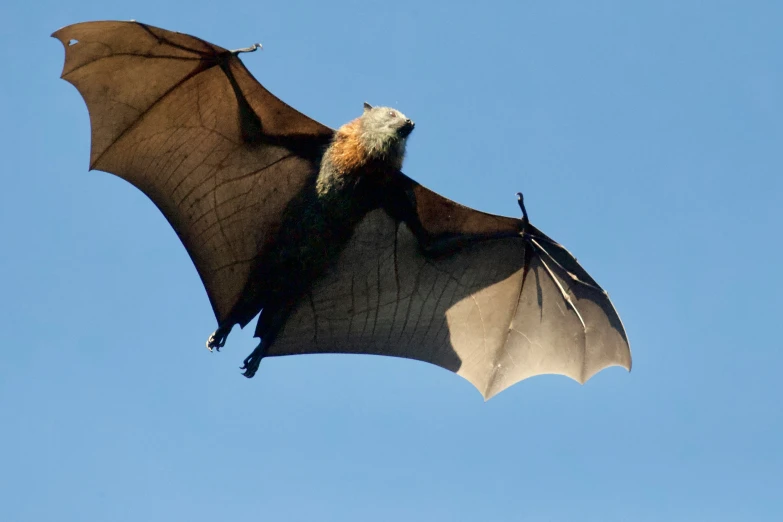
[{"x": 407, "y": 128}]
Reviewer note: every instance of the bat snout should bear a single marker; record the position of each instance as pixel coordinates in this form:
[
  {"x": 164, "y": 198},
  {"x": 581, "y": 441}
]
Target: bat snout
[{"x": 407, "y": 128}]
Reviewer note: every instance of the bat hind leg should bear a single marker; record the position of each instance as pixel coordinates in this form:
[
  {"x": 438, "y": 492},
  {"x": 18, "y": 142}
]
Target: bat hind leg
[
  {"x": 218, "y": 338},
  {"x": 250, "y": 365},
  {"x": 269, "y": 324}
]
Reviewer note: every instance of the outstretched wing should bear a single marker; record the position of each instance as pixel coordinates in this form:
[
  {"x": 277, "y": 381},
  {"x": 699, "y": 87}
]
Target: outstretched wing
[
  {"x": 495, "y": 311},
  {"x": 185, "y": 122}
]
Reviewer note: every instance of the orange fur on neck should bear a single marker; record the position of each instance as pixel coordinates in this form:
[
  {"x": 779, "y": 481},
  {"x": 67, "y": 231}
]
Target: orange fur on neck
[{"x": 347, "y": 152}]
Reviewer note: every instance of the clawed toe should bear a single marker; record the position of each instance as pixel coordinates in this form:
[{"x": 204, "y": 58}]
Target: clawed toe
[
  {"x": 217, "y": 340},
  {"x": 250, "y": 364}
]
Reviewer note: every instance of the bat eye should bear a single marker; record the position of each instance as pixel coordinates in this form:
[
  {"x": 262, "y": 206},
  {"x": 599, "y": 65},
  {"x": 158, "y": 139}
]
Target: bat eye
[{"x": 392, "y": 114}]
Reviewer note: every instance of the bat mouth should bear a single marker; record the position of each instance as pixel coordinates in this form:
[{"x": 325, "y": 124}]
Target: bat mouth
[{"x": 406, "y": 129}]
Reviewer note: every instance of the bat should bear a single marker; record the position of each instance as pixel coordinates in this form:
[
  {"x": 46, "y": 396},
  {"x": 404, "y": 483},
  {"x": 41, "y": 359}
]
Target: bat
[{"x": 318, "y": 232}]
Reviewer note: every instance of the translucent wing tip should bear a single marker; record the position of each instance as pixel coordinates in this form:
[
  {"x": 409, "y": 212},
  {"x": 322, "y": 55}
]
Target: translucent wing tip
[{"x": 495, "y": 388}]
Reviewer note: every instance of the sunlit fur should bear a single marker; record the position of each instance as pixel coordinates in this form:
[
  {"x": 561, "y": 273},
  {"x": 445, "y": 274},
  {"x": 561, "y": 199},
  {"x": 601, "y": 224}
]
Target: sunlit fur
[{"x": 371, "y": 139}]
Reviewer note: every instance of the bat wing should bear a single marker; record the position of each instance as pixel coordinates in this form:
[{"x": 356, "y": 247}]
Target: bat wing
[
  {"x": 186, "y": 123},
  {"x": 496, "y": 309}
]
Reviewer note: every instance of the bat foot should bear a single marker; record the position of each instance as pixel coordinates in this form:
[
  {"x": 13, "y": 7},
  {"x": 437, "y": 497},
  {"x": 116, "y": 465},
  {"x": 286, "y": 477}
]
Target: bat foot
[
  {"x": 250, "y": 365},
  {"x": 218, "y": 338}
]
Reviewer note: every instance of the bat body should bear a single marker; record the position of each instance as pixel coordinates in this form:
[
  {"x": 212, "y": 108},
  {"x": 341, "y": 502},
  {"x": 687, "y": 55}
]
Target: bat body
[{"x": 319, "y": 231}]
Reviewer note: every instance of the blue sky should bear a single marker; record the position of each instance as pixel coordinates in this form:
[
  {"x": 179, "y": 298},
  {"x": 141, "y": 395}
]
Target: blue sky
[{"x": 647, "y": 139}]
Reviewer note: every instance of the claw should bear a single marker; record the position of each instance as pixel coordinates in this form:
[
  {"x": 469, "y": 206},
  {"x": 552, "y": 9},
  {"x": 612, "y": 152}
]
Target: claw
[
  {"x": 521, "y": 202},
  {"x": 525, "y": 219},
  {"x": 251, "y": 362},
  {"x": 218, "y": 338},
  {"x": 250, "y": 49}
]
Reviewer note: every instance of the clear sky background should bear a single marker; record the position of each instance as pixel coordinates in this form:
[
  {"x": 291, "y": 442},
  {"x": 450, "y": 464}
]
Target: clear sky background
[{"x": 647, "y": 137}]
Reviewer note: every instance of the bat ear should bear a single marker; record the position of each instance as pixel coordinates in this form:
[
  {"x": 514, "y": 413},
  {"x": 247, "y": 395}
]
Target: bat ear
[{"x": 367, "y": 106}]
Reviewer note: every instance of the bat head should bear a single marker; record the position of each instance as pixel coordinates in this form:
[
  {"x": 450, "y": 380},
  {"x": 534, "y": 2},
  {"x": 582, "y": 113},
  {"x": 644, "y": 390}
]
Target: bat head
[
  {"x": 384, "y": 132},
  {"x": 386, "y": 121}
]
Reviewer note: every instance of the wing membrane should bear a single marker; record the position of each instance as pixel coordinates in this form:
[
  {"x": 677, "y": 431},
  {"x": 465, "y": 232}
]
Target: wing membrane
[
  {"x": 160, "y": 105},
  {"x": 495, "y": 312}
]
